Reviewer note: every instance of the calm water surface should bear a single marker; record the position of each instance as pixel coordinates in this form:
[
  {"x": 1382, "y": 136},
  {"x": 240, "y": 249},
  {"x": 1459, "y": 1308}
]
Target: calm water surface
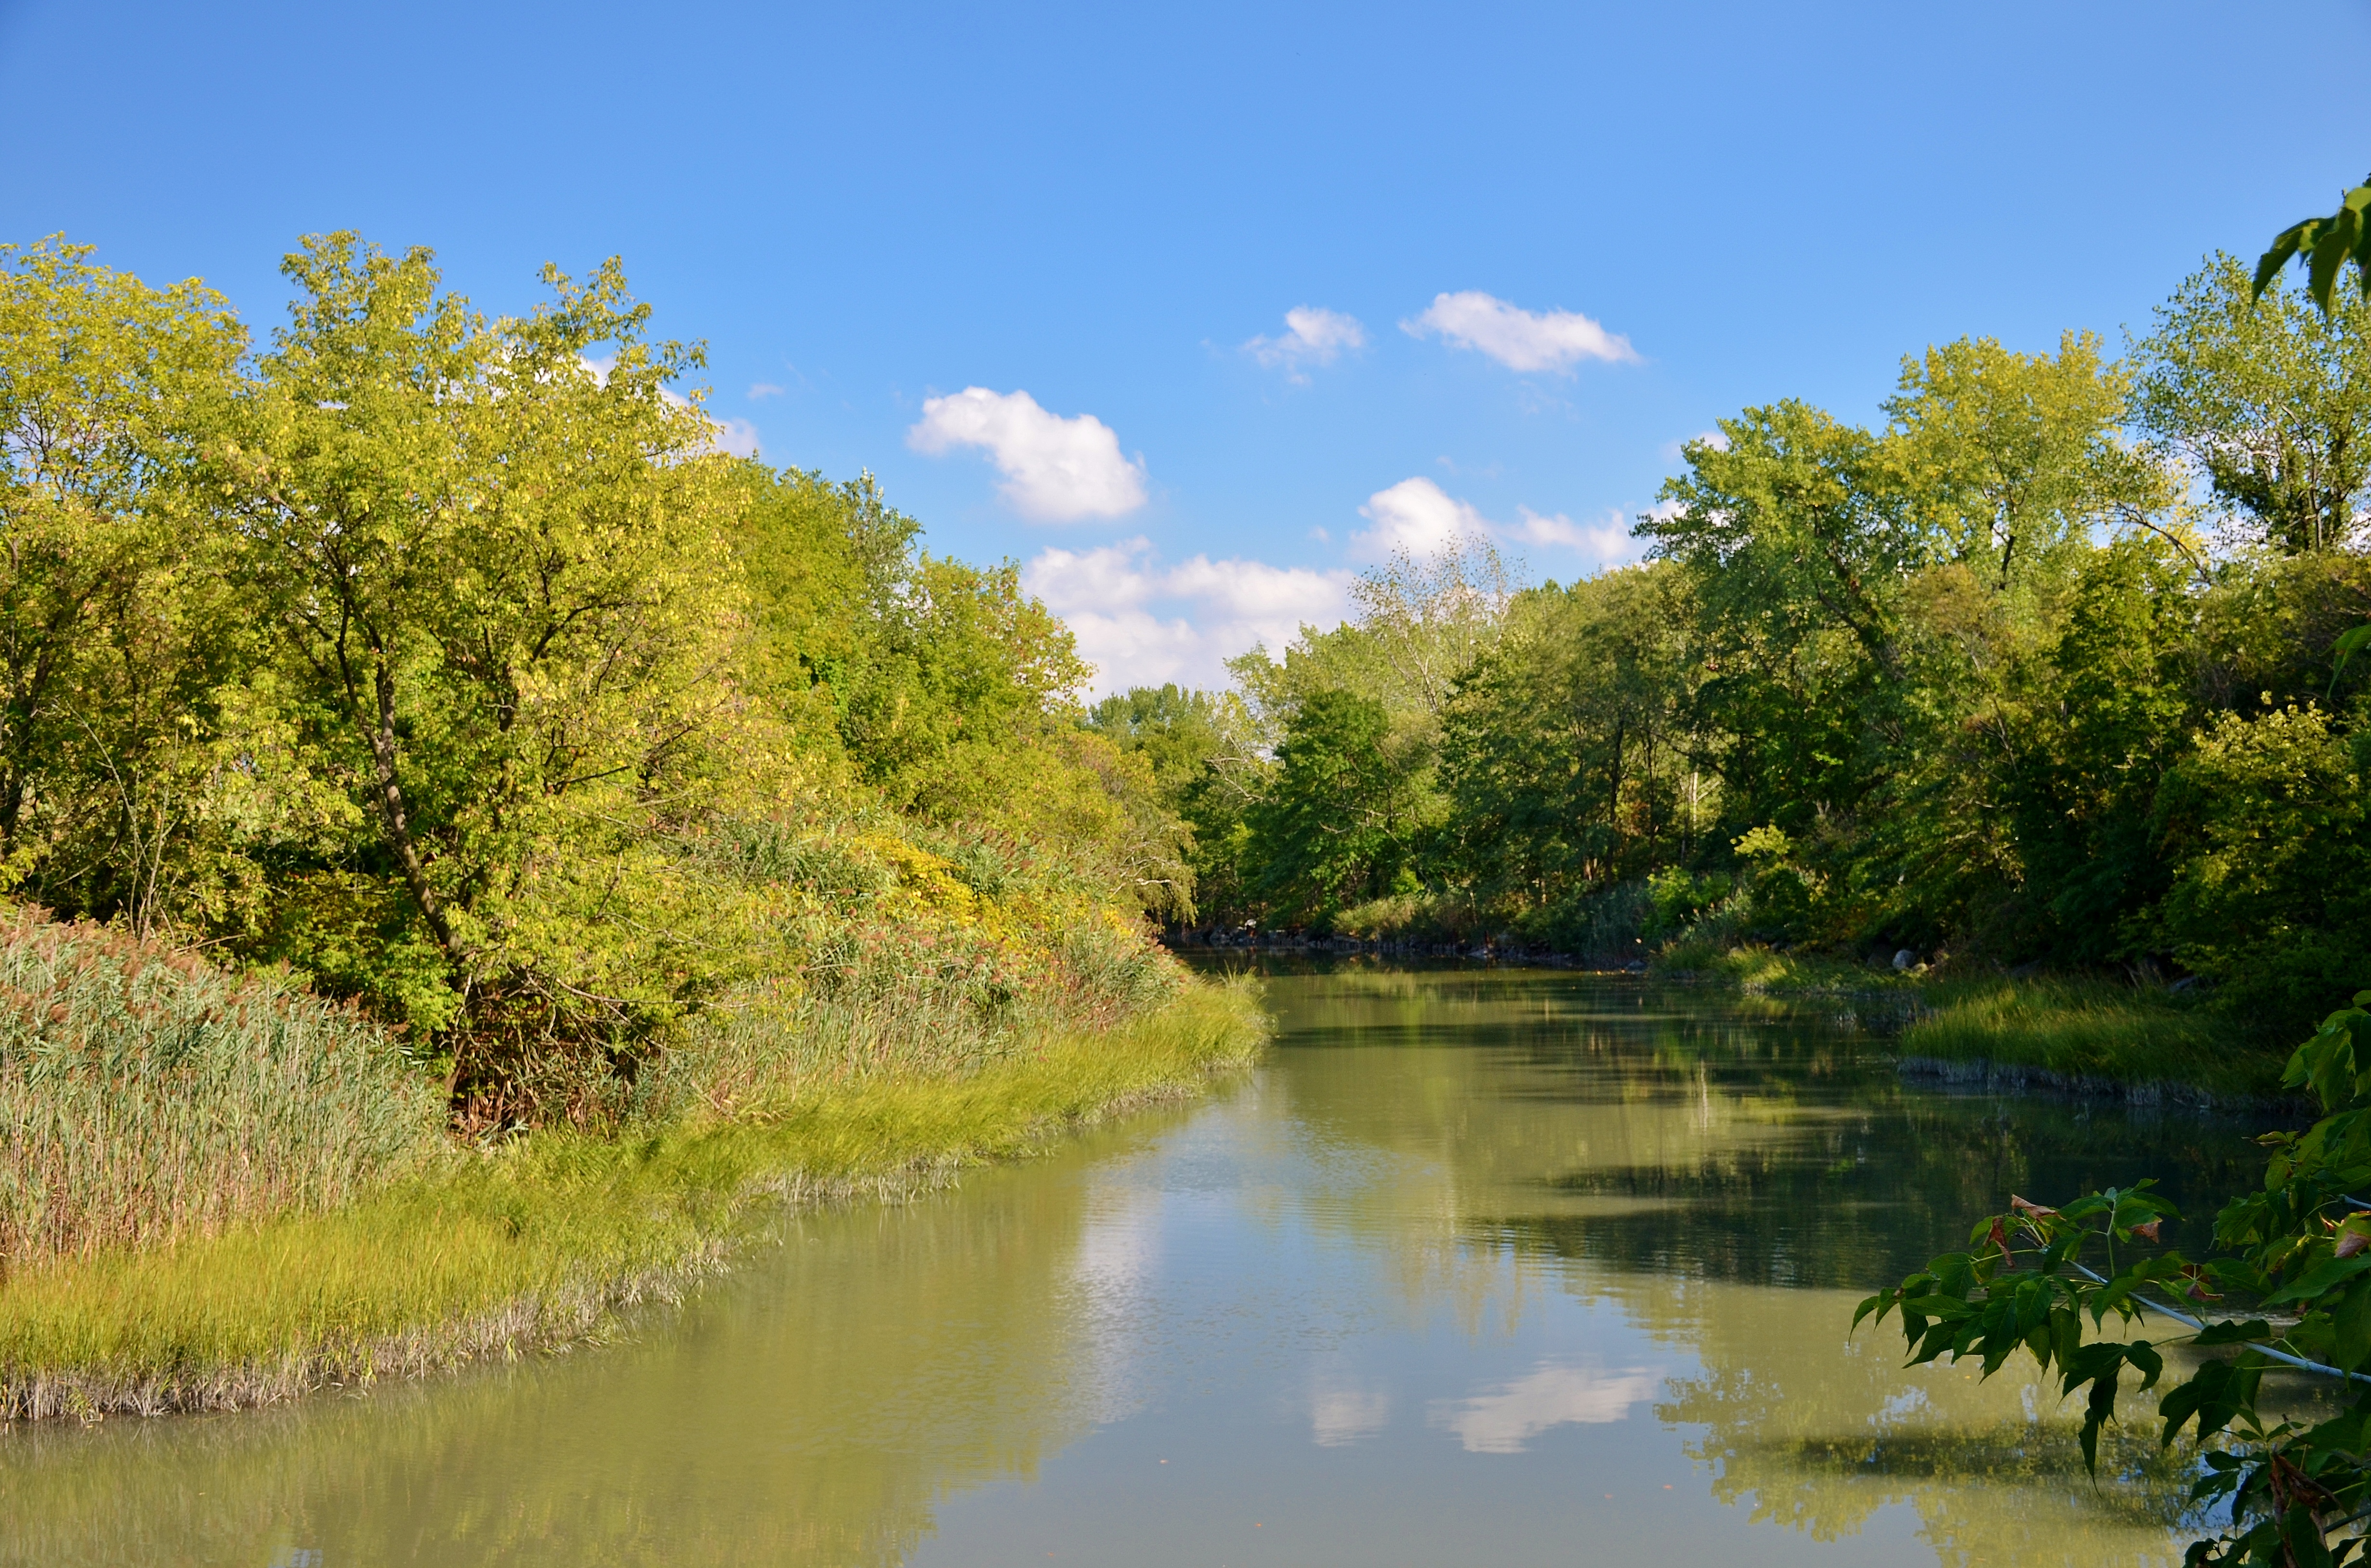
[{"x": 1479, "y": 1267}]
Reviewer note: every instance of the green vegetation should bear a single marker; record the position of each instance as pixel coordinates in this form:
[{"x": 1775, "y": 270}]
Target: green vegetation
[
  {"x": 2287, "y": 1489},
  {"x": 538, "y": 1242},
  {"x": 145, "y": 1095},
  {"x": 2037, "y": 672},
  {"x": 465, "y": 837},
  {"x": 2086, "y": 1029}
]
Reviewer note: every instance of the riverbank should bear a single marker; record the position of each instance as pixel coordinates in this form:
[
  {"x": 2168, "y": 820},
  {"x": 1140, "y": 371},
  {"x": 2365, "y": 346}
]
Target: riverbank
[
  {"x": 540, "y": 1245},
  {"x": 2091, "y": 1037}
]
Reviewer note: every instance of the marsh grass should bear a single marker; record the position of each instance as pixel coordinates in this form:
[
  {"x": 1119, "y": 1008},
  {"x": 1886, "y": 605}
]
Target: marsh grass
[
  {"x": 144, "y": 1095},
  {"x": 2087, "y": 1031},
  {"x": 540, "y": 1244}
]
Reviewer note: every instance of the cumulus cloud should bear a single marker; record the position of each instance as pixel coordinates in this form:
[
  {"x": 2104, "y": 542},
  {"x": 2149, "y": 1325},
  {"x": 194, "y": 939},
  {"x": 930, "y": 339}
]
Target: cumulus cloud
[
  {"x": 1056, "y": 469},
  {"x": 1418, "y": 516},
  {"x": 1311, "y": 335},
  {"x": 737, "y": 436},
  {"x": 1517, "y": 339},
  {"x": 1142, "y": 622},
  {"x": 1606, "y": 541}
]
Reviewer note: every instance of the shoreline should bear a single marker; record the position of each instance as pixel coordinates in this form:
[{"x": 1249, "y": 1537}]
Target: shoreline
[
  {"x": 2073, "y": 1037},
  {"x": 540, "y": 1248}
]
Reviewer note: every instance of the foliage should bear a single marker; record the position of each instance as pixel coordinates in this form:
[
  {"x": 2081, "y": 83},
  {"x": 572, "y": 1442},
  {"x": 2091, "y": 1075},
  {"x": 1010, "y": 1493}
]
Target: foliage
[
  {"x": 1340, "y": 814},
  {"x": 2299, "y": 1251},
  {"x": 2267, "y": 400},
  {"x": 438, "y": 659},
  {"x": 2325, "y": 247},
  {"x": 1564, "y": 753}
]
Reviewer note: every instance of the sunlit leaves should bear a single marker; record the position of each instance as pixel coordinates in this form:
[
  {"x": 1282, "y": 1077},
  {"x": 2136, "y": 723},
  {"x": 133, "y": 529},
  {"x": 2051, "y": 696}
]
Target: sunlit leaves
[{"x": 2325, "y": 246}]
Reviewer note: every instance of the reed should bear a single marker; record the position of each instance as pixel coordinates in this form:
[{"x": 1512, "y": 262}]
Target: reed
[
  {"x": 144, "y": 1095},
  {"x": 542, "y": 1242},
  {"x": 2093, "y": 1029}
]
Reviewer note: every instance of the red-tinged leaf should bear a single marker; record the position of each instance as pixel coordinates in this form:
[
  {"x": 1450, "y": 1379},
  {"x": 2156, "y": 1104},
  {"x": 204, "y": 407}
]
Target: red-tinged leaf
[
  {"x": 2148, "y": 1232},
  {"x": 2000, "y": 1239},
  {"x": 2031, "y": 1210}
]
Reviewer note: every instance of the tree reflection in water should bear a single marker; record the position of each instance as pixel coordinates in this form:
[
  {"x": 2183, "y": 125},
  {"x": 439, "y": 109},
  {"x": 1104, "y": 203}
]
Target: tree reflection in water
[{"x": 1734, "y": 1176}]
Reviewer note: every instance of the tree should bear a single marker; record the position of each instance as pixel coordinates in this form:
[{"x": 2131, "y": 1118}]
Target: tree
[
  {"x": 2268, "y": 399},
  {"x": 509, "y": 617},
  {"x": 115, "y": 619},
  {"x": 1566, "y": 750},
  {"x": 2015, "y": 459},
  {"x": 1797, "y": 543},
  {"x": 1335, "y": 827}
]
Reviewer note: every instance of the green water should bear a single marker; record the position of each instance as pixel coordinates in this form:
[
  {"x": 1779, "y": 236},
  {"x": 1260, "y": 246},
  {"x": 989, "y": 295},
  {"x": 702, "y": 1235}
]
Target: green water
[{"x": 1479, "y": 1267}]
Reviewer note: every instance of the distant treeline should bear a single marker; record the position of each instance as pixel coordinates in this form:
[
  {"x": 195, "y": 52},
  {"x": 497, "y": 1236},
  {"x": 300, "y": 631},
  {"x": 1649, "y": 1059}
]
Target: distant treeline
[
  {"x": 2040, "y": 670},
  {"x": 442, "y": 664}
]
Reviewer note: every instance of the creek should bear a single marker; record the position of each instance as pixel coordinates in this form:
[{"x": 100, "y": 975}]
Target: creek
[{"x": 1479, "y": 1266}]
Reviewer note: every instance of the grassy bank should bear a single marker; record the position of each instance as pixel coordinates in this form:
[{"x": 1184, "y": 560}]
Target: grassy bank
[
  {"x": 2065, "y": 1031},
  {"x": 540, "y": 1244}
]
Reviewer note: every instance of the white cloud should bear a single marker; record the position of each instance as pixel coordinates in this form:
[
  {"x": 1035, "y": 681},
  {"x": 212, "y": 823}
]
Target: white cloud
[
  {"x": 1418, "y": 516},
  {"x": 1501, "y": 1422},
  {"x": 764, "y": 389},
  {"x": 1608, "y": 540},
  {"x": 1311, "y": 335},
  {"x": 1142, "y": 623},
  {"x": 1520, "y": 339},
  {"x": 1056, "y": 469},
  {"x": 737, "y": 436}
]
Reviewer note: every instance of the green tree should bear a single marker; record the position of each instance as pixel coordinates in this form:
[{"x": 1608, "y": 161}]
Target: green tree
[
  {"x": 2015, "y": 459},
  {"x": 510, "y": 618},
  {"x": 1567, "y": 753},
  {"x": 1797, "y": 543},
  {"x": 117, "y": 619},
  {"x": 2268, "y": 398},
  {"x": 1208, "y": 770},
  {"x": 1338, "y": 822}
]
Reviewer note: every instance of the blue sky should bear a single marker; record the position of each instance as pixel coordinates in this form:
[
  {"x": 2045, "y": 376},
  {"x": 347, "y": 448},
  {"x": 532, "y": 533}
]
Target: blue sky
[{"x": 890, "y": 223}]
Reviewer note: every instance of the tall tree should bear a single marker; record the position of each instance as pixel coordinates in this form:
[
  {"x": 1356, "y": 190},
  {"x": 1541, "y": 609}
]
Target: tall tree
[
  {"x": 2268, "y": 398},
  {"x": 509, "y": 610},
  {"x": 113, "y": 628}
]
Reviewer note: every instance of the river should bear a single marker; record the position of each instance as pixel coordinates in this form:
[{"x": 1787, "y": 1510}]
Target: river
[{"x": 1479, "y": 1266}]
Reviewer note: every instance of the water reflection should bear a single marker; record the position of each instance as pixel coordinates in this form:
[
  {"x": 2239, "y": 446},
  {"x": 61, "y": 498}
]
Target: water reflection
[{"x": 1480, "y": 1266}]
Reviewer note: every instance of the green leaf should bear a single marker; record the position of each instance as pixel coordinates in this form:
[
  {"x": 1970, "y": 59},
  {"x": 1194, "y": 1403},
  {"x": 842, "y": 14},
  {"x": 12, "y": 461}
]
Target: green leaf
[
  {"x": 2097, "y": 1413},
  {"x": 2320, "y": 1280},
  {"x": 2234, "y": 1332}
]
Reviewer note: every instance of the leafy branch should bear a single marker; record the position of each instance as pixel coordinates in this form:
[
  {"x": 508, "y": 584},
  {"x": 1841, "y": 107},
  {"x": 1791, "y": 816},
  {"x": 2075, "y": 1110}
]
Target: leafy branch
[{"x": 2301, "y": 1249}]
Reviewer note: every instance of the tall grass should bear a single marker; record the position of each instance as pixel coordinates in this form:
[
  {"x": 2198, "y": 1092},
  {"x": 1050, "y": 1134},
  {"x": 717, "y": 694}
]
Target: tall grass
[
  {"x": 2092, "y": 1029},
  {"x": 144, "y": 1096},
  {"x": 540, "y": 1242},
  {"x": 216, "y": 1191}
]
